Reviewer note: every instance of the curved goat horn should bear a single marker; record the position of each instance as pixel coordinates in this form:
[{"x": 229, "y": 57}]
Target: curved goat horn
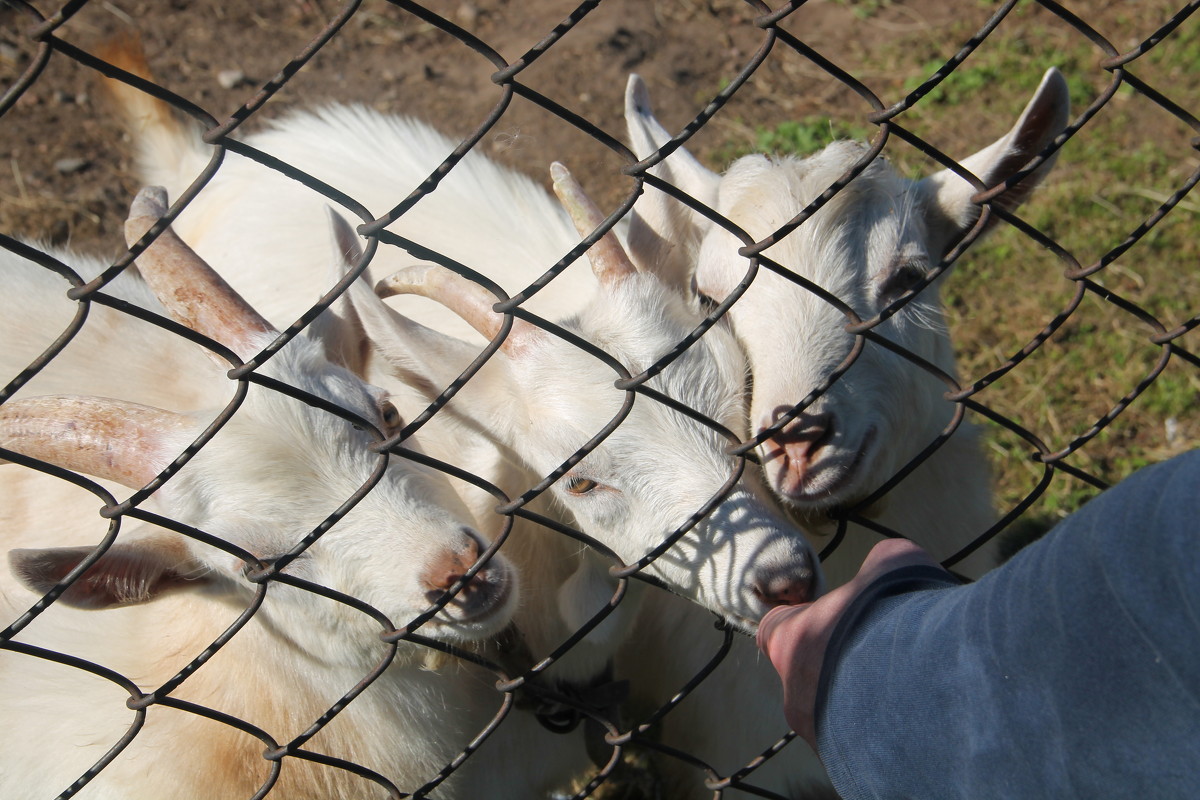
[
  {"x": 188, "y": 287},
  {"x": 464, "y": 297},
  {"x": 609, "y": 260},
  {"x": 111, "y": 439}
]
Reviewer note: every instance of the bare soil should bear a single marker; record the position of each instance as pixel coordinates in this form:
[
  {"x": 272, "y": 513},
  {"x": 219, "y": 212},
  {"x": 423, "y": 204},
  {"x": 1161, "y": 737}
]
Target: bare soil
[{"x": 64, "y": 165}]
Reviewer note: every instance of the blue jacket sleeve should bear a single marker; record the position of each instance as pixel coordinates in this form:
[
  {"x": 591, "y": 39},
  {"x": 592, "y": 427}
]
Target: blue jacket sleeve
[{"x": 1073, "y": 671}]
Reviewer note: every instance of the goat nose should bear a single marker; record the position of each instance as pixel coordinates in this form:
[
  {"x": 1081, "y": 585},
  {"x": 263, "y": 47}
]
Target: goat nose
[
  {"x": 786, "y": 588},
  {"x": 795, "y": 447},
  {"x": 484, "y": 592},
  {"x": 810, "y": 430},
  {"x": 450, "y": 566}
]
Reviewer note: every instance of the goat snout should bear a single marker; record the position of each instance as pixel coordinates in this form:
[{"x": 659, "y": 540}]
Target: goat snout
[
  {"x": 796, "y": 446},
  {"x": 786, "y": 587},
  {"x": 485, "y": 589}
]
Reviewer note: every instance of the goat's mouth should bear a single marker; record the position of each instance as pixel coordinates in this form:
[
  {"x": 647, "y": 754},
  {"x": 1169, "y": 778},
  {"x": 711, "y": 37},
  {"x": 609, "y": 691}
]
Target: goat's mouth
[
  {"x": 819, "y": 477},
  {"x": 746, "y": 621},
  {"x": 480, "y": 609}
]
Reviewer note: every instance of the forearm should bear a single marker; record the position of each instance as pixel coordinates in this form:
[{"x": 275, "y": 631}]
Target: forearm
[{"x": 1071, "y": 672}]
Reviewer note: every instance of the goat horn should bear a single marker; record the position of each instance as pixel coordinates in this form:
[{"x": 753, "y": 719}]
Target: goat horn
[
  {"x": 188, "y": 287},
  {"x": 111, "y": 439},
  {"x": 464, "y": 297},
  {"x": 609, "y": 260}
]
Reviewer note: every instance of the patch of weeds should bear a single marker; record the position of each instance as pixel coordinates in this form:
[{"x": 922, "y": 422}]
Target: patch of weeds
[
  {"x": 796, "y": 138},
  {"x": 807, "y": 135},
  {"x": 966, "y": 81},
  {"x": 995, "y": 72},
  {"x": 1064, "y": 498},
  {"x": 1171, "y": 396}
]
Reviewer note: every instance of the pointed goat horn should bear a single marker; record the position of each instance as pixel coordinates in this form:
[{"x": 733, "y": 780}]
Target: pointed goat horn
[
  {"x": 110, "y": 439},
  {"x": 609, "y": 260},
  {"x": 464, "y": 297},
  {"x": 187, "y": 286}
]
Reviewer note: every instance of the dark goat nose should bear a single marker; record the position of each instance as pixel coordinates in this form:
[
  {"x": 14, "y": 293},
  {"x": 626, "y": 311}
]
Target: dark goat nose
[{"x": 787, "y": 588}]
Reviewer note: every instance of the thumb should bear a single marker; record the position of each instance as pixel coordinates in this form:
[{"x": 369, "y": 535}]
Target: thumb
[{"x": 774, "y": 637}]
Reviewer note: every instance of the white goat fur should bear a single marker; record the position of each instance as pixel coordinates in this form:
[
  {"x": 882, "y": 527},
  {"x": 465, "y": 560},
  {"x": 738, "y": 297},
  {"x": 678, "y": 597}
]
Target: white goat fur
[
  {"x": 275, "y": 471},
  {"x": 871, "y": 242},
  {"x": 539, "y": 400}
]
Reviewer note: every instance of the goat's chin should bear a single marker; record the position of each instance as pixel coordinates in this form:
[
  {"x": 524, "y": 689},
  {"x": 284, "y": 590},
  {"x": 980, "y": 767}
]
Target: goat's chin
[
  {"x": 744, "y": 620},
  {"x": 741, "y": 612},
  {"x": 743, "y": 625},
  {"x": 837, "y": 478}
]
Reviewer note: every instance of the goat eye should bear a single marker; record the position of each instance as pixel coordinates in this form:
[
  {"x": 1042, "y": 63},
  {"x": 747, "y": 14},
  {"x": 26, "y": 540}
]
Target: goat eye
[
  {"x": 391, "y": 416},
  {"x": 900, "y": 279},
  {"x": 579, "y": 486}
]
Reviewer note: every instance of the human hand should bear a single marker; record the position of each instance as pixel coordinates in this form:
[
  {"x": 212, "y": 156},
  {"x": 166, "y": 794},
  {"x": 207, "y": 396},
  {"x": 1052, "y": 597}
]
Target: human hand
[{"x": 795, "y": 637}]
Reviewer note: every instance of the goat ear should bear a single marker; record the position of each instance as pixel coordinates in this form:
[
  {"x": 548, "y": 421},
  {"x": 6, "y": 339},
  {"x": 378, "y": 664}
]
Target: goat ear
[
  {"x": 664, "y": 234},
  {"x": 129, "y": 573},
  {"x": 1044, "y": 118},
  {"x": 338, "y": 329}
]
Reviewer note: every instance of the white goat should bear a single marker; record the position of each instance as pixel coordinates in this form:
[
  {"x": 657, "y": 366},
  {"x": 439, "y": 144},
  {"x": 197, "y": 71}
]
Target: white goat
[
  {"x": 153, "y": 599},
  {"x": 869, "y": 246},
  {"x": 658, "y": 466},
  {"x": 539, "y": 398}
]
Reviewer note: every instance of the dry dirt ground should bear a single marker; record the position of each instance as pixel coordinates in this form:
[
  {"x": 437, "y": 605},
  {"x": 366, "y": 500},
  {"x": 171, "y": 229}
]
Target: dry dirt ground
[{"x": 64, "y": 168}]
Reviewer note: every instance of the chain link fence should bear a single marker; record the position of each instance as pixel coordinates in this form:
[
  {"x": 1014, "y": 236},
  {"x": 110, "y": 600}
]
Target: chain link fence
[{"x": 1109, "y": 316}]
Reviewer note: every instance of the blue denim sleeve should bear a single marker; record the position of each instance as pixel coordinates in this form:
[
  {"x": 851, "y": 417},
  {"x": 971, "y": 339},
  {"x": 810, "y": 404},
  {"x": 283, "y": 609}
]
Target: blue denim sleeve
[{"x": 1073, "y": 671}]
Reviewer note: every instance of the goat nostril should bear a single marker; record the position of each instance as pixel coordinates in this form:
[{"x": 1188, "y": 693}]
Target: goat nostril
[
  {"x": 452, "y": 567},
  {"x": 799, "y": 443},
  {"x": 812, "y": 430},
  {"x": 474, "y": 547},
  {"x": 442, "y": 582},
  {"x": 785, "y": 590},
  {"x": 472, "y": 593}
]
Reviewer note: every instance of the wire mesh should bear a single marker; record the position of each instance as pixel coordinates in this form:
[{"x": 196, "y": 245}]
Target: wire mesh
[{"x": 623, "y": 705}]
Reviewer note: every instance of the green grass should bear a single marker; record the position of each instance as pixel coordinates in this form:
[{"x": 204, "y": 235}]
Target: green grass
[{"x": 798, "y": 137}]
